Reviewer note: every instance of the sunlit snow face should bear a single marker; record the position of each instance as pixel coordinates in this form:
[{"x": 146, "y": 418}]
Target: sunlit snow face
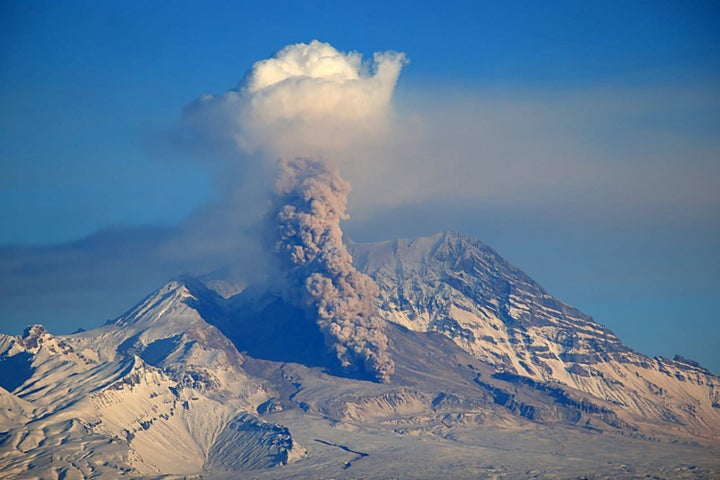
[{"x": 315, "y": 60}]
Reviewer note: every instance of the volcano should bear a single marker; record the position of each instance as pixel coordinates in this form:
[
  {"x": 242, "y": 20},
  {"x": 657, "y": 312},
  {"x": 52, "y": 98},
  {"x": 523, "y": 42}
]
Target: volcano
[{"x": 493, "y": 378}]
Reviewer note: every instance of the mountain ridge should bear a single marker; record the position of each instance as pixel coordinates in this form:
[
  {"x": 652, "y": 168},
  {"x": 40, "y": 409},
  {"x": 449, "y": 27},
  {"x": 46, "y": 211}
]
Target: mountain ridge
[
  {"x": 190, "y": 382},
  {"x": 491, "y": 309}
]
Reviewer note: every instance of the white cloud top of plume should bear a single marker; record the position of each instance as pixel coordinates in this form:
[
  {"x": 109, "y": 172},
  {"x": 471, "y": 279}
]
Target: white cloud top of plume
[{"x": 307, "y": 100}]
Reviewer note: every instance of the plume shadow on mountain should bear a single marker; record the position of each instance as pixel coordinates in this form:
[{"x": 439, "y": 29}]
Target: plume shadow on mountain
[
  {"x": 263, "y": 325},
  {"x": 279, "y": 332}
]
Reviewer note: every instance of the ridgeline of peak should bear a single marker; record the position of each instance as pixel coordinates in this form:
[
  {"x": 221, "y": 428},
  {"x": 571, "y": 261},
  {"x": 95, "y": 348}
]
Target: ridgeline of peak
[{"x": 458, "y": 285}]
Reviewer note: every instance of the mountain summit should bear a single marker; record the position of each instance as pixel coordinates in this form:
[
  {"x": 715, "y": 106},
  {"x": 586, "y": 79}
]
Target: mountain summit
[{"x": 492, "y": 378}]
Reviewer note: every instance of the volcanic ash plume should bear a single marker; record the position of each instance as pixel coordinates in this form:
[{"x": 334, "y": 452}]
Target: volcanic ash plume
[
  {"x": 310, "y": 100},
  {"x": 311, "y": 198}
]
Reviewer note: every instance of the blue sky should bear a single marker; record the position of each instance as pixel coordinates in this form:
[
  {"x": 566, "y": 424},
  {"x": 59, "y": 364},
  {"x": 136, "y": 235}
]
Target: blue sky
[{"x": 591, "y": 160}]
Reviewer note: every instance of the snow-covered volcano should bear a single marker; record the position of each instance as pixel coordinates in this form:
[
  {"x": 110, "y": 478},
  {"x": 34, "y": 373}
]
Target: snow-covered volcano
[{"x": 493, "y": 378}]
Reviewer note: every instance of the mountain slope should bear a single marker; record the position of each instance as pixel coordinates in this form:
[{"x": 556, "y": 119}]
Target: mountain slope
[
  {"x": 461, "y": 288},
  {"x": 149, "y": 393}
]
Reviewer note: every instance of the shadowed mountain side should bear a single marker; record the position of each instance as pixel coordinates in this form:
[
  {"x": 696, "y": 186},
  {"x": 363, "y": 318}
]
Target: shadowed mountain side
[
  {"x": 269, "y": 328},
  {"x": 15, "y": 370},
  {"x": 263, "y": 325}
]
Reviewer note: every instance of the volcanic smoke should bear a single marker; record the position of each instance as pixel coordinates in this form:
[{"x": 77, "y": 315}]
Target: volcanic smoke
[{"x": 311, "y": 199}]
